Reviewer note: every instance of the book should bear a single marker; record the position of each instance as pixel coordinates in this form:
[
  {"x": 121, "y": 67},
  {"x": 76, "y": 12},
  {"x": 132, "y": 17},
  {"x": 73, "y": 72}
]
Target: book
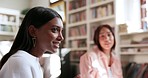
[{"x": 141, "y": 70}]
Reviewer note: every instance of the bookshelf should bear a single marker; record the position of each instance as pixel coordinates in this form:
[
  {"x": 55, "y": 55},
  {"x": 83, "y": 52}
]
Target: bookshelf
[
  {"x": 133, "y": 49},
  {"x": 9, "y": 23},
  {"x": 76, "y": 28},
  {"x": 83, "y": 16},
  {"x": 133, "y": 46}
]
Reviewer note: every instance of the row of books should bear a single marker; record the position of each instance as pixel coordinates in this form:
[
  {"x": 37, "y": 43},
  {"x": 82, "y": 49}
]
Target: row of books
[
  {"x": 102, "y": 11},
  {"x": 135, "y": 70},
  {"x": 78, "y": 43},
  {"x": 74, "y": 4},
  {"x": 8, "y": 28},
  {"x": 139, "y": 49},
  {"x": 75, "y": 55},
  {"x": 7, "y": 18},
  {"x": 76, "y": 17},
  {"x": 77, "y": 31}
]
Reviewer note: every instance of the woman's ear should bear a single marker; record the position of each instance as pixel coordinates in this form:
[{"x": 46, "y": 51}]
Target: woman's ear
[{"x": 32, "y": 31}]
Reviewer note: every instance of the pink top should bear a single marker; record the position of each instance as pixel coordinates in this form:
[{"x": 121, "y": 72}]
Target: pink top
[{"x": 94, "y": 65}]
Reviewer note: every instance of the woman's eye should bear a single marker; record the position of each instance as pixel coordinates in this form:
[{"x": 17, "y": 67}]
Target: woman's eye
[
  {"x": 102, "y": 36},
  {"x": 109, "y": 34},
  {"x": 54, "y": 30}
]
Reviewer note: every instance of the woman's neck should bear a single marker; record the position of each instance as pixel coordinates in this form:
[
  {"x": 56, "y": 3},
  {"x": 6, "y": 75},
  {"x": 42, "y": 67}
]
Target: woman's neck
[
  {"x": 107, "y": 52},
  {"x": 108, "y": 55}
]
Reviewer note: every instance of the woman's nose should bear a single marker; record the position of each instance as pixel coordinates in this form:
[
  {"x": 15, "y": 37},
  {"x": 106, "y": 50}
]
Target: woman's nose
[
  {"x": 60, "y": 37},
  {"x": 107, "y": 37}
]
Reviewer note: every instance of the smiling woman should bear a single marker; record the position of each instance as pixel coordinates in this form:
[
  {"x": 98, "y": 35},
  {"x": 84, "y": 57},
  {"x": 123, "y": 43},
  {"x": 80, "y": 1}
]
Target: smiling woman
[{"x": 40, "y": 32}]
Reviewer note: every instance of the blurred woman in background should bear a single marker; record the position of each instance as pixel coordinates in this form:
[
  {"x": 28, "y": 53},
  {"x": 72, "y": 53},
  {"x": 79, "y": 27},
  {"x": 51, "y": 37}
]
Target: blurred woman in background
[{"x": 101, "y": 61}]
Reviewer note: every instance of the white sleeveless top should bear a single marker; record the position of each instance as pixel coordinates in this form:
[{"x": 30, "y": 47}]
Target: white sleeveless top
[{"x": 110, "y": 72}]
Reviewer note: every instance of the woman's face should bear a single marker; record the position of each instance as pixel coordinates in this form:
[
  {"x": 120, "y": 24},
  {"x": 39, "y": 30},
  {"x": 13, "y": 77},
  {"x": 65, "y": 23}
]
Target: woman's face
[
  {"x": 106, "y": 39},
  {"x": 49, "y": 36}
]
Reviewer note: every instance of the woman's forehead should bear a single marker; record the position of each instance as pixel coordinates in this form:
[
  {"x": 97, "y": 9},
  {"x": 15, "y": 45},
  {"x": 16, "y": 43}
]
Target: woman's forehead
[
  {"x": 56, "y": 22},
  {"x": 105, "y": 30}
]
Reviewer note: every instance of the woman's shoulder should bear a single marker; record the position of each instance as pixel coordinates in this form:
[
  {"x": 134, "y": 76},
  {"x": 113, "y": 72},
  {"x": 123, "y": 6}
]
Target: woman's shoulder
[
  {"x": 89, "y": 55},
  {"x": 17, "y": 62},
  {"x": 22, "y": 57},
  {"x": 116, "y": 57}
]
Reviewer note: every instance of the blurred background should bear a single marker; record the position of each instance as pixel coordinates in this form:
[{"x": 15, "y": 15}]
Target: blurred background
[{"x": 128, "y": 19}]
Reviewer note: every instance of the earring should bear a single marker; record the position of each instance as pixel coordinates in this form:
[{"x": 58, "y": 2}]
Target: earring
[{"x": 34, "y": 41}]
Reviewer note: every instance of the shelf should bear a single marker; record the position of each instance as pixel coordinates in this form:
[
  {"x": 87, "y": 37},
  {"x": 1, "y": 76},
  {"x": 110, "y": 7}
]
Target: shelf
[
  {"x": 78, "y": 37},
  {"x": 102, "y": 19},
  {"x": 134, "y": 53},
  {"x": 8, "y": 23},
  {"x": 133, "y": 33},
  {"x": 77, "y": 49},
  {"x": 77, "y": 23},
  {"x": 77, "y": 10},
  {"x": 7, "y": 33},
  {"x": 133, "y": 45},
  {"x": 101, "y": 3}
]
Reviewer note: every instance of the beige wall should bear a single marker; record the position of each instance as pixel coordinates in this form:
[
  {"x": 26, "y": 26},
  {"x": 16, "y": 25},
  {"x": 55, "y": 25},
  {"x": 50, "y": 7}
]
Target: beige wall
[
  {"x": 44, "y": 3},
  {"x": 23, "y": 4},
  {"x": 15, "y": 4}
]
